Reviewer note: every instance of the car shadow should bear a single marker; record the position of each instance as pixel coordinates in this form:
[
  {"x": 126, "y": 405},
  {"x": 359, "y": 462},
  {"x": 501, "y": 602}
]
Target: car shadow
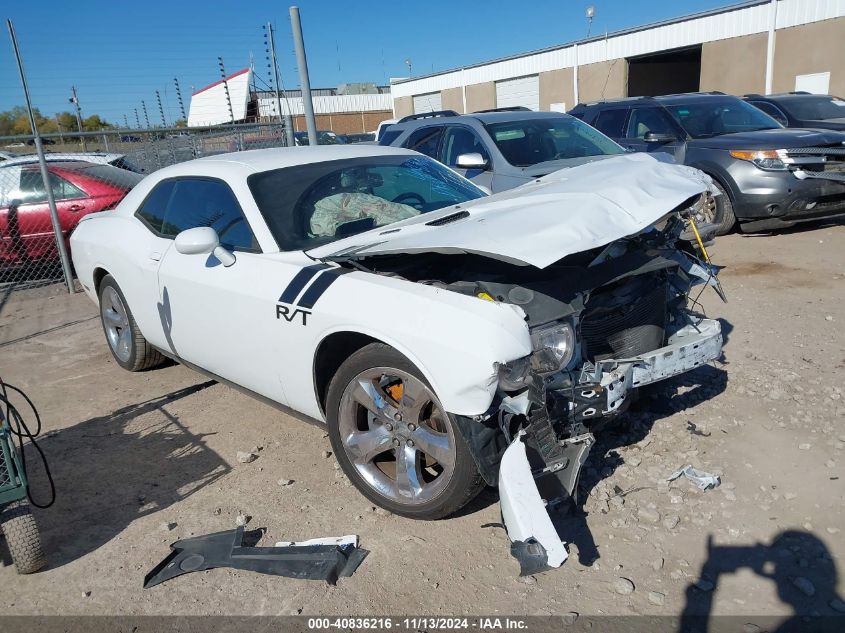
[
  {"x": 801, "y": 227},
  {"x": 799, "y": 564},
  {"x": 113, "y": 469}
]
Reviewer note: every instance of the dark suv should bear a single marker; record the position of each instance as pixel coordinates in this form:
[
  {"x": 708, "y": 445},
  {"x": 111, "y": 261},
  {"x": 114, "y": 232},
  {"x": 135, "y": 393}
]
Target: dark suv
[
  {"x": 771, "y": 177},
  {"x": 802, "y": 109}
]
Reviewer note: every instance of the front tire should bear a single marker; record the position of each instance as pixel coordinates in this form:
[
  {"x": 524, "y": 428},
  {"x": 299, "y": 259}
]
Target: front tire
[
  {"x": 725, "y": 217},
  {"x": 394, "y": 440},
  {"x": 127, "y": 345},
  {"x": 22, "y": 537}
]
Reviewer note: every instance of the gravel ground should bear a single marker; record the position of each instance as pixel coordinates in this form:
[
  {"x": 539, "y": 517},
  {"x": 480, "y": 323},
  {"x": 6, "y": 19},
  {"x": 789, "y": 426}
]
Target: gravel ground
[{"x": 141, "y": 460}]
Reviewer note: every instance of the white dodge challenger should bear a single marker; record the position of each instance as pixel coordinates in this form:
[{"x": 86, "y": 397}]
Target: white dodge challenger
[{"x": 445, "y": 337}]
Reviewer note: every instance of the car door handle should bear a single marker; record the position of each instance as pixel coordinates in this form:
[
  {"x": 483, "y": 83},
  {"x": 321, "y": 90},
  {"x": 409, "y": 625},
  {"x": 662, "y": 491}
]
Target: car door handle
[
  {"x": 155, "y": 256},
  {"x": 76, "y": 207}
]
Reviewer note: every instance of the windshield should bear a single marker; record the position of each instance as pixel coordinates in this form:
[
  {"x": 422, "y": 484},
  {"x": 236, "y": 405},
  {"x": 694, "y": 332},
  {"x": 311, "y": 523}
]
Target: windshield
[
  {"x": 311, "y": 205},
  {"x": 713, "y": 117},
  {"x": 534, "y": 141},
  {"x": 812, "y": 108}
]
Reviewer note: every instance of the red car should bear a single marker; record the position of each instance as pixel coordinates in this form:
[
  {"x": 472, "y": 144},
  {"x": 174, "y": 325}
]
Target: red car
[{"x": 79, "y": 188}]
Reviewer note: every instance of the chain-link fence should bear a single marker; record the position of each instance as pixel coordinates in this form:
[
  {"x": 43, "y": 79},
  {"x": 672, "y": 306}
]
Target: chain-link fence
[{"x": 90, "y": 173}]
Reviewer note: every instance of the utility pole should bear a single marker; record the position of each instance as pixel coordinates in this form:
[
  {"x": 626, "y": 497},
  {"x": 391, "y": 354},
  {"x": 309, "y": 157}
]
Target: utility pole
[
  {"x": 286, "y": 119},
  {"x": 42, "y": 162},
  {"x": 226, "y": 89},
  {"x": 137, "y": 119},
  {"x": 181, "y": 103},
  {"x": 75, "y": 101},
  {"x": 304, "y": 81}
]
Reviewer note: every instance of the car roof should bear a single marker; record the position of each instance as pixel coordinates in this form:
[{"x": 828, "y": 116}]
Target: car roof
[
  {"x": 65, "y": 165},
  {"x": 257, "y": 160},
  {"x": 786, "y": 96},
  {"x": 89, "y": 157},
  {"x": 684, "y": 97},
  {"x": 478, "y": 117}
]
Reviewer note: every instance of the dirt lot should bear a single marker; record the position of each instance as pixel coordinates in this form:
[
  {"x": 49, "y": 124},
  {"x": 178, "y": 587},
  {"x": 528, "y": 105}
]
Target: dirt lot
[{"x": 141, "y": 460}]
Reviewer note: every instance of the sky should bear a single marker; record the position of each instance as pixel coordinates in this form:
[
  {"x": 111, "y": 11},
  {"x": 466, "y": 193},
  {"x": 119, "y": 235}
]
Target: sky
[{"x": 119, "y": 53}]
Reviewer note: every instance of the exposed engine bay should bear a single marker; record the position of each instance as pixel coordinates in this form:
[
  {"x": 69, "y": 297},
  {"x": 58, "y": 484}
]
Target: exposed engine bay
[{"x": 602, "y": 323}]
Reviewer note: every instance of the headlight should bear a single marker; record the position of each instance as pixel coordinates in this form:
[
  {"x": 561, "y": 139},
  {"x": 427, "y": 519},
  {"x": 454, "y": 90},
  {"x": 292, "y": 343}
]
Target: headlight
[
  {"x": 764, "y": 159},
  {"x": 514, "y": 375},
  {"x": 553, "y": 347}
]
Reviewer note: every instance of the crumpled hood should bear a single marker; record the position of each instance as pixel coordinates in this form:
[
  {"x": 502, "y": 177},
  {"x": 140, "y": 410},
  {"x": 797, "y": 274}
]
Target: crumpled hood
[{"x": 566, "y": 212}]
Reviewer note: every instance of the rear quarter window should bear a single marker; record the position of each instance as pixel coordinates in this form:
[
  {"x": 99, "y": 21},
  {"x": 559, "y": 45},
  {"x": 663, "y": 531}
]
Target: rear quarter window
[{"x": 611, "y": 122}]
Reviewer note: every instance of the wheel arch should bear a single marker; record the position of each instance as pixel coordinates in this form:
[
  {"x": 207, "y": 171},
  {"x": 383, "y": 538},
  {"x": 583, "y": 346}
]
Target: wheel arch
[
  {"x": 719, "y": 174},
  {"x": 334, "y": 348},
  {"x": 98, "y": 275}
]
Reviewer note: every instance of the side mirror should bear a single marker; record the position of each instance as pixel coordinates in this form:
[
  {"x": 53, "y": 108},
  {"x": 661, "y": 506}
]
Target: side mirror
[
  {"x": 202, "y": 240},
  {"x": 473, "y": 160},
  {"x": 659, "y": 137}
]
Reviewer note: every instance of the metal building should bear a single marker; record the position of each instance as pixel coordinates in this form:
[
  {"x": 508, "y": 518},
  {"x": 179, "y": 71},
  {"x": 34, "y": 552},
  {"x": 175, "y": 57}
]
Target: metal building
[{"x": 760, "y": 46}]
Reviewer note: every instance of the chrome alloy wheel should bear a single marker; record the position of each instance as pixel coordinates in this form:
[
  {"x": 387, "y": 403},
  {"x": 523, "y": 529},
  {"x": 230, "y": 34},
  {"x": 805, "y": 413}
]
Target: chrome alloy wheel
[
  {"x": 396, "y": 435},
  {"x": 116, "y": 324}
]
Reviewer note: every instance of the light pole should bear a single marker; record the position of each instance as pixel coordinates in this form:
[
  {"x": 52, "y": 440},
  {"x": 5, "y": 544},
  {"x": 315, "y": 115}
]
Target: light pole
[
  {"x": 408, "y": 64},
  {"x": 590, "y": 13}
]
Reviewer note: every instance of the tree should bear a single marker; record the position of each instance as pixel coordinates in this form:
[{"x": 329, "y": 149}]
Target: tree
[{"x": 15, "y": 122}]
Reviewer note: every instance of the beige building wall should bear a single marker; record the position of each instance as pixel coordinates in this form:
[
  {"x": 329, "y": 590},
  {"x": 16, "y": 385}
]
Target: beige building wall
[
  {"x": 556, "y": 87},
  {"x": 403, "y": 106},
  {"x": 810, "y": 48},
  {"x": 602, "y": 80},
  {"x": 344, "y": 122},
  {"x": 481, "y": 96},
  {"x": 736, "y": 66},
  {"x": 452, "y": 99}
]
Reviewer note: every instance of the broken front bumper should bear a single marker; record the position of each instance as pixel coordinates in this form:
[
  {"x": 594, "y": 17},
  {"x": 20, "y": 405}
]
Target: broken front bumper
[
  {"x": 688, "y": 348},
  {"x": 541, "y": 466}
]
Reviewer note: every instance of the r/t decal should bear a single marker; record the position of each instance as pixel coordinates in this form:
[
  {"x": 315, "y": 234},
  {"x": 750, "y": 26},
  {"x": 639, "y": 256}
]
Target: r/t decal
[
  {"x": 290, "y": 314},
  {"x": 294, "y": 304}
]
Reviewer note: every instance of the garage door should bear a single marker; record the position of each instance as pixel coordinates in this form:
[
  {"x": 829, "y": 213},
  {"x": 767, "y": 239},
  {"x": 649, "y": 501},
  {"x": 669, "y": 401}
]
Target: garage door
[
  {"x": 429, "y": 102},
  {"x": 524, "y": 91}
]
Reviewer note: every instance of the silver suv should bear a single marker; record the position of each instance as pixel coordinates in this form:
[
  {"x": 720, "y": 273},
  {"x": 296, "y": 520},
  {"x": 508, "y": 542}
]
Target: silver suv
[{"x": 502, "y": 149}]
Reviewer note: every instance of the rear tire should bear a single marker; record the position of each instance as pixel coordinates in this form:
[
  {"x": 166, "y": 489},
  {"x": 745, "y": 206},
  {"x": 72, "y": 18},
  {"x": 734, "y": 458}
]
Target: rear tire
[
  {"x": 22, "y": 537},
  {"x": 369, "y": 446},
  {"x": 127, "y": 345},
  {"x": 725, "y": 217}
]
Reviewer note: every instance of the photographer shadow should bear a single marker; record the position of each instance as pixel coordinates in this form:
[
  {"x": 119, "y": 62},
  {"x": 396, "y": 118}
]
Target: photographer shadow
[{"x": 800, "y": 565}]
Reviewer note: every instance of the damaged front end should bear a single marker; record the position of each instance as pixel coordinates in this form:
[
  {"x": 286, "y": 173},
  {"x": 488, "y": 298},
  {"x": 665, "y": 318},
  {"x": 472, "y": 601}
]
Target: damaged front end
[
  {"x": 631, "y": 324},
  {"x": 602, "y": 323}
]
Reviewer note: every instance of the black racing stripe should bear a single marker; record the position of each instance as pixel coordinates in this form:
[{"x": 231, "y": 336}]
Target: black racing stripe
[
  {"x": 321, "y": 283},
  {"x": 299, "y": 281}
]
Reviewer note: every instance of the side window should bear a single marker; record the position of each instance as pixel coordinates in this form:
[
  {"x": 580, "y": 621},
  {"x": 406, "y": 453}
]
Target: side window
[
  {"x": 645, "y": 120},
  {"x": 153, "y": 208},
  {"x": 772, "y": 110},
  {"x": 389, "y": 136},
  {"x": 31, "y": 189},
  {"x": 175, "y": 205},
  {"x": 199, "y": 202},
  {"x": 64, "y": 190},
  {"x": 611, "y": 122},
  {"x": 461, "y": 140},
  {"x": 425, "y": 141}
]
